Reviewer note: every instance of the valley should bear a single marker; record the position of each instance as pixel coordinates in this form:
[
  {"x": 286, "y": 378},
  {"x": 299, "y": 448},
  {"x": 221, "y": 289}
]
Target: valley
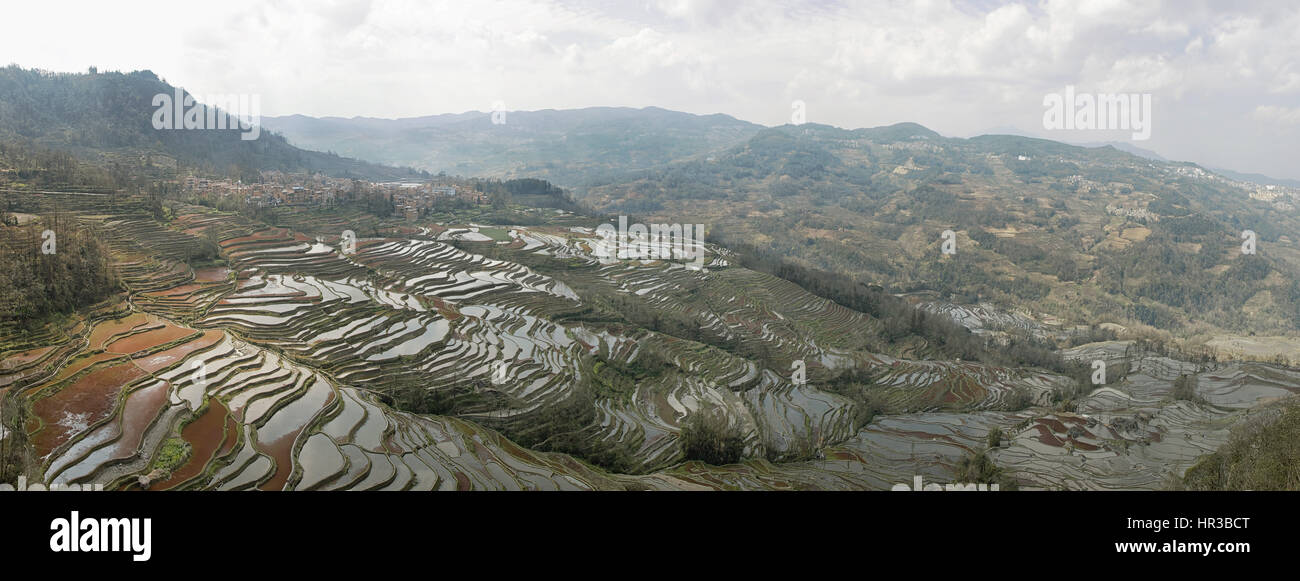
[
  {"x": 192, "y": 311},
  {"x": 433, "y": 358}
]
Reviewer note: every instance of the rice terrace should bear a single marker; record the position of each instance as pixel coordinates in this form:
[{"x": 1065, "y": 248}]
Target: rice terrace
[
  {"x": 671, "y": 246},
  {"x": 437, "y": 357}
]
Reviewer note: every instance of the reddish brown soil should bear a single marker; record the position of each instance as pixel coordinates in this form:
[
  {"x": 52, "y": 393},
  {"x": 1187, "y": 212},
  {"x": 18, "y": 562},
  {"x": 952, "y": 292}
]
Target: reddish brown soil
[
  {"x": 1047, "y": 437},
  {"x": 279, "y": 450},
  {"x": 25, "y": 357},
  {"x": 140, "y": 410},
  {"x": 232, "y": 436},
  {"x": 147, "y": 340},
  {"x": 80, "y": 364},
  {"x": 205, "y": 436},
  {"x": 1055, "y": 425},
  {"x": 109, "y": 328},
  {"x": 92, "y": 397},
  {"x": 216, "y": 274},
  {"x": 158, "y": 361}
]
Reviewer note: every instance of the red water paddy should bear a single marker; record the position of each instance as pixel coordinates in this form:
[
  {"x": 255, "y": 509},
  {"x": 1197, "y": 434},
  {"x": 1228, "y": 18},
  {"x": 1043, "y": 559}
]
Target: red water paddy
[
  {"x": 84, "y": 402},
  {"x": 462, "y": 482},
  {"x": 141, "y": 407},
  {"x": 159, "y": 361},
  {"x": 205, "y": 436},
  {"x": 24, "y": 357},
  {"x": 148, "y": 339},
  {"x": 1047, "y": 437},
  {"x": 176, "y": 291},
  {"x": 280, "y": 451},
  {"x": 262, "y": 236},
  {"x": 108, "y": 329},
  {"x": 1056, "y": 425},
  {"x": 232, "y": 436},
  {"x": 216, "y": 274},
  {"x": 77, "y": 365}
]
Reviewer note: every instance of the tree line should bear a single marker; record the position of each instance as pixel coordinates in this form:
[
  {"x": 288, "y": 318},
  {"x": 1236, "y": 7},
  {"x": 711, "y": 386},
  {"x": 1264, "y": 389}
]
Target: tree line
[{"x": 44, "y": 275}]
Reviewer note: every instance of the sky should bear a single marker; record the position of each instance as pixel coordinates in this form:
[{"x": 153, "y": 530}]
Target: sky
[{"x": 1223, "y": 77}]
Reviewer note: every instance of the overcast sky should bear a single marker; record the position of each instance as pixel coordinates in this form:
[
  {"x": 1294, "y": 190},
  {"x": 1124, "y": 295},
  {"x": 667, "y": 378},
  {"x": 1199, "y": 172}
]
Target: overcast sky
[{"x": 1224, "y": 76}]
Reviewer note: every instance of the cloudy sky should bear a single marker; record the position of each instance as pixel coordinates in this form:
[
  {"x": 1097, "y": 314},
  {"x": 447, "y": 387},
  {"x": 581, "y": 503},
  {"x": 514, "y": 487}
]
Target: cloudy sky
[{"x": 1224, "y": 77}]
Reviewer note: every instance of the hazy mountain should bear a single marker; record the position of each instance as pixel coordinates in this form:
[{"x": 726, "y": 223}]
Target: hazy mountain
[
  {"x": 569, "y": 147},
  {"x": 1126, "y": 147},
  {"x": 819, "y": 228},
  {"x": 1084, "y": 234},
  {"x": 113, "y": 112},
  {"x": 1257, "y": 178}
]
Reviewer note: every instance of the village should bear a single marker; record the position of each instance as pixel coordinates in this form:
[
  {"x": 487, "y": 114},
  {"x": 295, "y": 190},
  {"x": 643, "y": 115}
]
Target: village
[{"x": 277, "y": 189}]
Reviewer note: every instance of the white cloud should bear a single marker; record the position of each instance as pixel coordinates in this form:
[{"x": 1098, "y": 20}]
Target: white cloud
[
  {"x": 1276, "y": 114},
  {"x": 958, "y": 67}
]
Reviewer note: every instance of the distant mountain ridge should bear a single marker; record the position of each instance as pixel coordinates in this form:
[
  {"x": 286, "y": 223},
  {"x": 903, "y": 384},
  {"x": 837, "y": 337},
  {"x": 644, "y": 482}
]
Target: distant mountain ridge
[
  {"x": 568, "y": 147},
  {"x": 575, "y": 148},
  {"x": 1084, "y": 234},
  {"x": 1257, "y": 178},
  {"x": 89, "y": 113}
]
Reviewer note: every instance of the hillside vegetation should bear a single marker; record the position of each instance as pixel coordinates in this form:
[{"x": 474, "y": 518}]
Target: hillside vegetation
[
  {"x": 570, "y": 147},
  {"x": 1085, "y": 235},
  {"x": 109, "y": 114},
  {"x": 1263, "y": 454}
]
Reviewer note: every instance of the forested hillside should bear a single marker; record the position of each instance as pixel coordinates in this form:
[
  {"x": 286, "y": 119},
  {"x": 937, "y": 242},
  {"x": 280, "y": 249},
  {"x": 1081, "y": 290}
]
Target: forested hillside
[
  {"x": 1087, "y": 235},
  {"x": 96, "y": 113},
  {"x": 570, "y": 147}
]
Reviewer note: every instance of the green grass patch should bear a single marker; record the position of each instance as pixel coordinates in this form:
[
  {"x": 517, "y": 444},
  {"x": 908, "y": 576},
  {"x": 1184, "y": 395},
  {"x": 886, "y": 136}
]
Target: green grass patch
[
  {"x": 496, "y": 234},
  {"x": 172, "y": 455}
]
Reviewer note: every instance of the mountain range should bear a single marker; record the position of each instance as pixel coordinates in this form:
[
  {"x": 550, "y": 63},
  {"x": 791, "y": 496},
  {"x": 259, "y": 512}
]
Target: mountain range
[
  {"x": 873, "y": 305},
  {"x": 1109, "y": 233},
  {"x": 109, "y": 116},
  {"x": 568, "y": 147}
]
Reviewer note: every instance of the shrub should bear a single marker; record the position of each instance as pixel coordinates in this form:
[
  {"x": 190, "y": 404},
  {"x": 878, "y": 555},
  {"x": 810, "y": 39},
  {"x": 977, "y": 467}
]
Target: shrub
[
  {"x": 173, "y": 455},
  {"x": 978, "y": 468},
  {"x": 708, "y": 437},
  {"x": 995, "y": 438},
  {"x": 1263, "y": 453},
  {"x": 1185, "y": 389},
  {"x": 1020, "y": 399}
]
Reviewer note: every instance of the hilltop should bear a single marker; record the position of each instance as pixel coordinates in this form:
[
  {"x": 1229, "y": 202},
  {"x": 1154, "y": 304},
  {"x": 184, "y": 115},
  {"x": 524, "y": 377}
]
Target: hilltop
[
  {"x": 1085, "y": 235},
  {"x": 107, "y": 117},
  {"x": 567, "y": 147}
]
